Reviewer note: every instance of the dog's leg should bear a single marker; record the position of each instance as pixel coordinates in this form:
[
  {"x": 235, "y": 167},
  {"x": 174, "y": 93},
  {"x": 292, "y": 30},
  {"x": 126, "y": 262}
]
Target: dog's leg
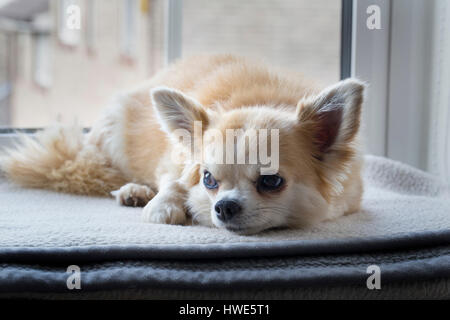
[
  {"x": 168, "y": 205},
  {"x": 133, "y": 195}
]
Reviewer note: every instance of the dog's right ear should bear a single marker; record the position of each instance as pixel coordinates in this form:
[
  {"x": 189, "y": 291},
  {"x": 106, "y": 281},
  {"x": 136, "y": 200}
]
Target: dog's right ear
[{"x": 175, "y": 110}]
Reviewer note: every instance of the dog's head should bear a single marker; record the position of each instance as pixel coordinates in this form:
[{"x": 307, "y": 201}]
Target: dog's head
[{"x": 260, "y": 167}]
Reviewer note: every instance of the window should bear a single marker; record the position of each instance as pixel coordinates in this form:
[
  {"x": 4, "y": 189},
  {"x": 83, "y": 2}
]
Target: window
[
  {"x": 406, "y": 108},
  {"x": 80, "y": 61},
  {"x": 302, "y": 36},
  {"x": 80, "y": 68}
]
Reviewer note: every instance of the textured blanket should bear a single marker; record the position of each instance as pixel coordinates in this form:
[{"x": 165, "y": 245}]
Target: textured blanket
[{"x": 403, "y": 228}]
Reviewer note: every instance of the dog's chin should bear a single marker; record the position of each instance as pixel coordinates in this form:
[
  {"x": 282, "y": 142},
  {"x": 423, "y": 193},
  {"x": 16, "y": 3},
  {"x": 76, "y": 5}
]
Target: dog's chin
[
  {"x": 244, "y": 231},
  {"x": 239, "y": 228}
]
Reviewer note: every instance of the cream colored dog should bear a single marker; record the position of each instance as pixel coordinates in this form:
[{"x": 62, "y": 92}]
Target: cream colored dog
[{"x": 130, "y": 150}]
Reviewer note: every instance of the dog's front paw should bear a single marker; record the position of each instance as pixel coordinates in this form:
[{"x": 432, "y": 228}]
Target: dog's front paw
[
  {"x": 133, "y": 195},
  {"x": 162, "y": 209}
]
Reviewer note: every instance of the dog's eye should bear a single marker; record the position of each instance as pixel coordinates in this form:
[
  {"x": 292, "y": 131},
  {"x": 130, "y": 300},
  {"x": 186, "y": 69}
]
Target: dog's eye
[
  {"x": 270, "y": 183},
  {"x": 209, "y": 181}
]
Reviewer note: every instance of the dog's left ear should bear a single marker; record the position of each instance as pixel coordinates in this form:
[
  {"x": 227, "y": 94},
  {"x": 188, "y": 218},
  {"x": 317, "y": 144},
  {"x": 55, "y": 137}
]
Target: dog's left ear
[
  {"x": 332, "y": 117},
  {"x": 175, "y": 110}
]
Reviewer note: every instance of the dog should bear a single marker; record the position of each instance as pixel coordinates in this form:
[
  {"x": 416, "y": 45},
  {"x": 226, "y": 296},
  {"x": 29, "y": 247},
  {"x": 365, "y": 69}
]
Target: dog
[{"x": 129, "y": 152}]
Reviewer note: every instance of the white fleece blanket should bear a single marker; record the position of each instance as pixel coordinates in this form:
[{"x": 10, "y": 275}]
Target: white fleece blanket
[{"x": 398, "y": 199}]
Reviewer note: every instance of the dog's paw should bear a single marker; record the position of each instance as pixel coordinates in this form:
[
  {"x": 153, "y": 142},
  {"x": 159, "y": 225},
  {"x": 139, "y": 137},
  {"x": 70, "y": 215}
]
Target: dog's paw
[
  {"x": 133, "y": 195},
  {"x": 165, "y": 210}
]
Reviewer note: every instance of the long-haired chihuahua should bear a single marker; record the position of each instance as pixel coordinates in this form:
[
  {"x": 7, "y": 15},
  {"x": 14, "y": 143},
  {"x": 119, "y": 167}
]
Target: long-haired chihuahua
[{"x": 213, "y": 140}]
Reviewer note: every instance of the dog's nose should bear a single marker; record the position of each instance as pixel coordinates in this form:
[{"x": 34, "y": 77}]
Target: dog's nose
[{"x": 226, "y": 209}]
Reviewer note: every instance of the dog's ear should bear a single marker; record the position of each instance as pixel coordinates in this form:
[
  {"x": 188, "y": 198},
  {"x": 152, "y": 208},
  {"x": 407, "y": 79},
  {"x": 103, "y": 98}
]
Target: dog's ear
[
  {"x": 175, "y": 110},
  {"x": 332, "y": 117}
]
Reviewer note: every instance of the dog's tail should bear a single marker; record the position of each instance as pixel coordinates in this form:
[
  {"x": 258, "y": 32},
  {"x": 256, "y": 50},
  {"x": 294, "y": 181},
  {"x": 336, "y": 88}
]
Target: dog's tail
[{"x": 60, "y": 159}]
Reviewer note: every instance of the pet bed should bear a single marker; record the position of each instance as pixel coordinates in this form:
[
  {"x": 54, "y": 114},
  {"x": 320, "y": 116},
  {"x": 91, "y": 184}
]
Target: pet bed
[{"x": 403, "y": 228}]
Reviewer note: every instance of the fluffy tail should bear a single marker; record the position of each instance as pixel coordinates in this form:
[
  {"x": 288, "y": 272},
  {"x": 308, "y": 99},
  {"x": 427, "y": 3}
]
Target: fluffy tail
[{"x": 59, "y": 159}]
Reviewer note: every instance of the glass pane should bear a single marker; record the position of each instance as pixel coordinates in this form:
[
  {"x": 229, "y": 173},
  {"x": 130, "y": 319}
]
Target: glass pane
[
  {"x": 64, "y": 60},
  {"x": 299, "y": 35}
]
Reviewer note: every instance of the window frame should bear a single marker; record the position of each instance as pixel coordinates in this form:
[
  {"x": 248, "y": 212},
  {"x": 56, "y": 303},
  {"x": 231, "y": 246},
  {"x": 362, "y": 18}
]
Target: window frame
[
  {"x": 439, "y": 134},
  {"x": 406, "y": 114},
  {"x": 370, "y": 63},
  {"x": 346, "y": 39}
]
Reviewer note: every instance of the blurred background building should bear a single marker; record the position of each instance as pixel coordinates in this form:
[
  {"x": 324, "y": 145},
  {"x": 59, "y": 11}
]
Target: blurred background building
[{"x": 53, "y": 71}]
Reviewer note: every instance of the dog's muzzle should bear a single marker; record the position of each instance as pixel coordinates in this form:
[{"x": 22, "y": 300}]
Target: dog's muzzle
[{"x": 227, "y": 209}]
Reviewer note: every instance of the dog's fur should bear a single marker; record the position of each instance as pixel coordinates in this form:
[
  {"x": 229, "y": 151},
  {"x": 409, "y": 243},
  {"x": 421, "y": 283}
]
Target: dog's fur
[{"x": 128, "y": 150}]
